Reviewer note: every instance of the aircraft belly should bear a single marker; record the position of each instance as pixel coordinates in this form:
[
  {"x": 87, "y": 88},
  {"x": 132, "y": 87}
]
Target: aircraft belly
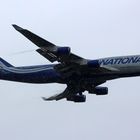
[{"x": 133, "y": 68}]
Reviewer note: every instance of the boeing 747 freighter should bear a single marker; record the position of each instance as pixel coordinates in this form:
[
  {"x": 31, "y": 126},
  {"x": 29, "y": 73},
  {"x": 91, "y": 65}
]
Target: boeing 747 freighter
[{"x": 79, "y": 74}]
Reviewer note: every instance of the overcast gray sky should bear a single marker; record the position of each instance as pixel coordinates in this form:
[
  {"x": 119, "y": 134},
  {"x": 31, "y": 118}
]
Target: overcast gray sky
[{"x": 93, "y": 29}]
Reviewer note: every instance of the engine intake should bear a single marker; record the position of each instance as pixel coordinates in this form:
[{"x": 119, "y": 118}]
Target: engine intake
[
  {"x": 77, "y": 98},
  {"x": 99, "y": 91},
  {"x": 93, "y": 64},
  {"x": 62, "y": 51}
]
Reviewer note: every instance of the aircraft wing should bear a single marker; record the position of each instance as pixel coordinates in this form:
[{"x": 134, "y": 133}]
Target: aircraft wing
[
  {"x": 49, "y": 50},
  {"x": 66, "y": 94},
  {"x": 53, "y": 53}
]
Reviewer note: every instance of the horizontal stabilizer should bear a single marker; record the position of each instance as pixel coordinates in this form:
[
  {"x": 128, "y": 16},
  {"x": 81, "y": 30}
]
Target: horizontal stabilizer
[{"x": 5, "y": 63}]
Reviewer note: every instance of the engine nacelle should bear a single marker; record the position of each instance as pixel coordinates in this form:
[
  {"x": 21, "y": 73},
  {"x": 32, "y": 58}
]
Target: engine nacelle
[
  {"x": 62, "y": 51},
  {"x": 77, "y": 98},
  {"x": 93, "y": 64},
  {"x": 99, "y": 91}
]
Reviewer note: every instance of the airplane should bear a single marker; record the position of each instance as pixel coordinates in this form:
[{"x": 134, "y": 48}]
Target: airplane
[{"x": 78, "y": 73}]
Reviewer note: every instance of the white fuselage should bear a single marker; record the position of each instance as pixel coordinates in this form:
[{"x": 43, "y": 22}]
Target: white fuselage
[{"x": 124, "y": 64}]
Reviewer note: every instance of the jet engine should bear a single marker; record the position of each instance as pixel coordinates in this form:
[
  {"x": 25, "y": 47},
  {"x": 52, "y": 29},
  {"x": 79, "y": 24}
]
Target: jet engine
[
  {"x": 99, "y": 91},
  {"x": 77, "y": 98},
  {"x": 93, "y": 63},
  {"x": 62, "y": 51}
]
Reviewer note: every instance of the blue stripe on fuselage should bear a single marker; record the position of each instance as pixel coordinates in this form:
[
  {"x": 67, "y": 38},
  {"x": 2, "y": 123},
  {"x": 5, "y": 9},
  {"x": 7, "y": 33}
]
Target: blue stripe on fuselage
[{"x": 31, "y": 74}]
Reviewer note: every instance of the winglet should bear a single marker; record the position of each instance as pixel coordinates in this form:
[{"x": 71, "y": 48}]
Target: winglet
[
  {"x": 45, "y": 99},
  {"x": 18, "y": 28}
]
